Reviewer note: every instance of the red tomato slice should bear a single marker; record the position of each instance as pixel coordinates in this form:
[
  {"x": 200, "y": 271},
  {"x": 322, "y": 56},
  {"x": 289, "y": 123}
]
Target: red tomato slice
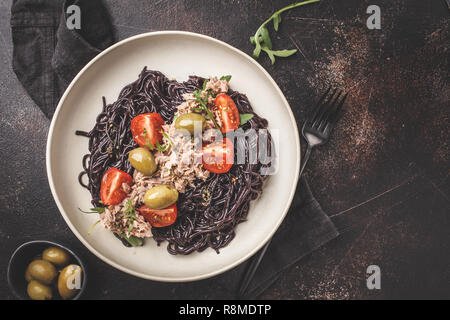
[
  {"x": 111, "y": 189},
  {"x": 228, "y": 113},
  {"x": 218, "y": 156},
  {"x": 146, "y": 129},
  {"x": 159, "y": 217}
]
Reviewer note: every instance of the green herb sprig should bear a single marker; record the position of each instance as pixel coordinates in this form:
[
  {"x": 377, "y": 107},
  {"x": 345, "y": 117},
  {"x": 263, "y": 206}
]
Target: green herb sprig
[
  {"x": 244, "y": 118},
  {"x": 262, "y": 40},
  {"x": 130, "y": 213},
  {"x": 169, "y": 141},
  {"x": 203, "y": 101},
  {"x": 228, "y": 78},
  {"x": 157, "y": 145},
  {"x": 93, "y": 226},
  {"x": 94, "y": 210}
]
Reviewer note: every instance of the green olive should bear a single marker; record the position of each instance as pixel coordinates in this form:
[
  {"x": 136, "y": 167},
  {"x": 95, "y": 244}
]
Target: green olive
[
  {"x": 189, "y": 121},
  {"x": 142, "y": 160},
  {"x": 39, "y": 291},
  {"x": 28, "y": 276},
  {"x": 69, "y": 281},
  {"x": 160, "y": 197},
  {"x": 56, "y": 256},
  {"x": 42, "y": 271}
]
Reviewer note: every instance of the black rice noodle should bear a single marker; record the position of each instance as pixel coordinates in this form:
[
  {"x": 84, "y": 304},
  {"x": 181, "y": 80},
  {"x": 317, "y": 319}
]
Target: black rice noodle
[{"x": 207, "y": 213}]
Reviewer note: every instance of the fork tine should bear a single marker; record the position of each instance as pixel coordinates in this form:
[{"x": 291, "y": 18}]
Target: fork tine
[
  {"x": 319, "y": 105},
  {"x": 324, "y": 95},
  {"x": 323, "y": 108},
  {"x": 339, "y": 107},
  {"x": 329, "y": 111},
  {"x": 335, "y": 113}
]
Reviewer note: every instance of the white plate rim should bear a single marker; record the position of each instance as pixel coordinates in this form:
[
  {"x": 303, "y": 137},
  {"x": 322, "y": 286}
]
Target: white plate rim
[{"x": 74, "y": 229}]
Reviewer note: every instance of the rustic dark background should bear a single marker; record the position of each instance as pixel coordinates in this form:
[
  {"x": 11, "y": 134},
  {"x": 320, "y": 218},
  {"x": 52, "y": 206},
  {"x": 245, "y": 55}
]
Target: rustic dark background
[{"x": 383, "y": 177}]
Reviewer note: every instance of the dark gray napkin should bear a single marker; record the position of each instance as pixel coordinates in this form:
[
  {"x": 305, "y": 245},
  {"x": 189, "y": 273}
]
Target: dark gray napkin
[
  {"x": 305, "y": 228},
  {"x": 47, "y": 55}
]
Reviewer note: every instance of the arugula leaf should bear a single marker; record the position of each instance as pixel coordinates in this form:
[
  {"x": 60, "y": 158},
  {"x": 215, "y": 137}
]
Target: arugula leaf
[
  {"x": 204, "y": 105},
  {"x": 156, "y": 146},
  {"x": 198, "y": 97},
  {"x": 269, "y": 53},
  {"x": 278, "y": 53},
  {"x": 160, "y": 147},
  {"x": 198, "y": 109},
  {"x": 134, "y": 241},
  {"x": 266, "y": 38},
  {"x": 257, "y": 50},
  {"x": 244, "y": 118},
  {"x": 165, "y": 135},
  {"x": 94, "y": 210},
  {"x": 130, "y": 213},
  {"x": 129, "y": 209},
  {"x": 284, "y": 53},
  {"x": 148, "y": 144},
  {"x": 261, "y": 39},
  {"x": 276, "y": 21},
  {"x": 228, "y": 78}
]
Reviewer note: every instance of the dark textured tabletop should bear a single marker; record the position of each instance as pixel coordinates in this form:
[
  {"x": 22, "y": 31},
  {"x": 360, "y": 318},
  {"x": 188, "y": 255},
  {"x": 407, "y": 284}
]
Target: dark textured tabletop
[{"x": 383, "y": 177}]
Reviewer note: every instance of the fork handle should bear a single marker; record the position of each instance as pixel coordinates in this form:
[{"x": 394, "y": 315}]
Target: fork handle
[
  {"x": 250, "y": 272},
  {"x": 254, "y": 264},
  {"x": 306, "y": 158}
]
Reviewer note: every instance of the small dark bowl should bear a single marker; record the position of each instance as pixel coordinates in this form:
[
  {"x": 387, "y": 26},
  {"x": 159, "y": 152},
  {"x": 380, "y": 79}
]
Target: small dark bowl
[{"x": 22, "y": 257}]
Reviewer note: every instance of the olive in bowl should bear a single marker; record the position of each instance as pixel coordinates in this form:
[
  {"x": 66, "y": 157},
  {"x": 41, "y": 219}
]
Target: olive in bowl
[
  {"x": 35, "y": 271},
  {"x": 42, "y": 271}
]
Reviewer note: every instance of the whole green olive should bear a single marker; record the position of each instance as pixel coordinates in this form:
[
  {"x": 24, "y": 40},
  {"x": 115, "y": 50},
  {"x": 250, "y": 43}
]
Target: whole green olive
[
  {"x": 142, "y": 160},
  {"x": 28, "y": 276},
  {"x": 160, "y": 197},
  {"x": 56, "y": 256},
  {"x": 190, "y": 121},
  {"x": 39, "y": 291},
  {"x": 69, "y": 281},
  {"x": 42, "y": 270}
]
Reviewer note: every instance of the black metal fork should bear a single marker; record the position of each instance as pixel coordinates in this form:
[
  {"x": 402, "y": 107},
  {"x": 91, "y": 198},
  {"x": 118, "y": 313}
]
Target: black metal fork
[{"x": 316, "y": 130}]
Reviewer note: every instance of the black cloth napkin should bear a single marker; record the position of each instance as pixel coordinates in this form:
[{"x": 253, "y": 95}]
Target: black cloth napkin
[
  {"x": 305, "y": 228},
  {"x": 47, "y": 55}
]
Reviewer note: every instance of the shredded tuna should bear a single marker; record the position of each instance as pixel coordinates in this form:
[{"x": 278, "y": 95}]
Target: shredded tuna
[
  {"x": 179, "y": 166},
  {"x": 182, "y": 164},
  {"x": 217, "y": 86},
  {"x": 126, "y": 187},
  {"x": 117, "y": 221}
]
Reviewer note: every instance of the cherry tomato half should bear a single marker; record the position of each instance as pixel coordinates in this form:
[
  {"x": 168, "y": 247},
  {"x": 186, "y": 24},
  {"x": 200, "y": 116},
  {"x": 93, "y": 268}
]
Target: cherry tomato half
[
  {"x": 146, "y": 129},
  {"x": 218, "y": 156},
  {"x": 111, "y": 189},
  {"x": 159, "y": 217},
  {"x": 228, "y": 113}
]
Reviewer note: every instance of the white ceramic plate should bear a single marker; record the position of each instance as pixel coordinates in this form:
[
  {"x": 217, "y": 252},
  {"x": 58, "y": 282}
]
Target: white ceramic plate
[{"x": 178, "y": 55}]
